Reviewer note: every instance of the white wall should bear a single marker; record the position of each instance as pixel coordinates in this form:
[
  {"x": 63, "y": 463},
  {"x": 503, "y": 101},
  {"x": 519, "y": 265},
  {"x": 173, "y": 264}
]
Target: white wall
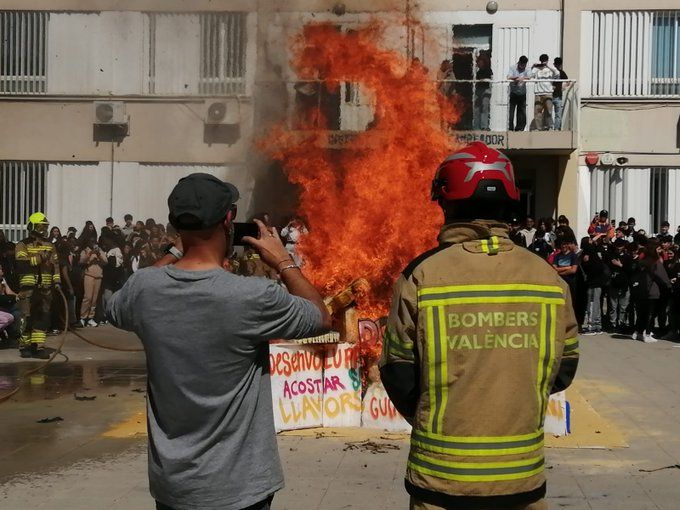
[
  {"x": 76, "y": 193},
  {"x": 583, "y": 197},
  {"x": 102, "y": 53},
  {"x": 177, "y": 53},
  {"x": 624, "y": 192}
]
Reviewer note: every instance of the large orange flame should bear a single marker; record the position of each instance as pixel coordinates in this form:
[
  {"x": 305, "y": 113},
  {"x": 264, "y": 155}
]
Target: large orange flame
[{"x": 367, "y": 206}]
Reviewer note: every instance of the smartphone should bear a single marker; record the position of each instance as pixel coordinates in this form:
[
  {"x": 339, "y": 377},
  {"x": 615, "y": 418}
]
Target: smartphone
[{"x": 242, "y": 230}]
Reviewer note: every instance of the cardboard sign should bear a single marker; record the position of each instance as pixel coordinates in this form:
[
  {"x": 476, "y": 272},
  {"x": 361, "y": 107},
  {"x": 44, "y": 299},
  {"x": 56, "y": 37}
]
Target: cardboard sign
[
  {"x": 342, "y": 386},
  {"x": 379, "y": 411},
  {"x": 297, "y": 385},
  {"x": 557, "y": 419}
]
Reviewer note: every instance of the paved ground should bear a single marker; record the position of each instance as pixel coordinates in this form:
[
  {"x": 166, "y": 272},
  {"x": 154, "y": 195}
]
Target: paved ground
[{"x": 72, "y": 464}]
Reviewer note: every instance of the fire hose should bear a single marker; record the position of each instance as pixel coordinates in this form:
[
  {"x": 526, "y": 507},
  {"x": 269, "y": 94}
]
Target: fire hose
[{"x": 57, "y": 352}]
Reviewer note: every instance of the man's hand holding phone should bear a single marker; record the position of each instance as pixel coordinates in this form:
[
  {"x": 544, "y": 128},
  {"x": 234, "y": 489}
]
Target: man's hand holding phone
[{"x": 270, "y": 247}]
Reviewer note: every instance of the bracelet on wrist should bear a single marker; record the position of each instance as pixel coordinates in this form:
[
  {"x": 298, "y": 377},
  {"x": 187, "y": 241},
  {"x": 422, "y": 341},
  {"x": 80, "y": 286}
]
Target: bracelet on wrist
[
  {"x": 291, "y": 266},
  {"x": 285, "y": 261}
]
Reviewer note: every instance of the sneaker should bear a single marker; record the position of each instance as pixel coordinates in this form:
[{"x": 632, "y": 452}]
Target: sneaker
[
  {"x": 83, "y": 324},
  {"x": 638, "y": 336},
  {"x": 590, "y": 332},
  {"x": 92, "y": 323},
  {"x": 25, "y": 352},
  {"x": 649, "y": 339}
]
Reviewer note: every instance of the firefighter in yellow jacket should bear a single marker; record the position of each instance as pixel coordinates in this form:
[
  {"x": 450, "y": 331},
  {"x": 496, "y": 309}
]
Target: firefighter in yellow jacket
[
  {"x": 480, "y": 333},
  {"x": 37, "y": 265}
]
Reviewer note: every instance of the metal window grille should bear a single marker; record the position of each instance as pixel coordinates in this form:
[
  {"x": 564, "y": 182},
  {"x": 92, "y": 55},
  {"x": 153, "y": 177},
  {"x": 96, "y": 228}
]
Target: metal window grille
[
  {"x": 223, "y": 53},
  {"x": 658, "y": 198},
  {"x": 635, "y": 54},
  {"x": 22, "y": 192},
  {"x": 23, "y": 38},
  {"x": 666, "y": 53}
]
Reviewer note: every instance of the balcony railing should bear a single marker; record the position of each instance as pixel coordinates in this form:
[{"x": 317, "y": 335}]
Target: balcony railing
[{"x": 483, "y": 105}]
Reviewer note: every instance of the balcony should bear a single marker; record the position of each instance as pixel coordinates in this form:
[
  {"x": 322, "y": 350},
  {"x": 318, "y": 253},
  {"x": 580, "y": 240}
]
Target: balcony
[{"x": 484, "y": 107}]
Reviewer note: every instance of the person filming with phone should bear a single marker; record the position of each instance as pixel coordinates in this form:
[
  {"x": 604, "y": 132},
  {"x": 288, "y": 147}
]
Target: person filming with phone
[{"x": 212, "y": 443}]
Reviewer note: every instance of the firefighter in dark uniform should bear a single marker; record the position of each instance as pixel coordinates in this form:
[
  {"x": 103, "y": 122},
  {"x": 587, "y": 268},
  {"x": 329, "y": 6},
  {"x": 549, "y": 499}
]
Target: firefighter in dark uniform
[
  {"x": 480, "y": 333},
  {"x": 37, "y": 266}
]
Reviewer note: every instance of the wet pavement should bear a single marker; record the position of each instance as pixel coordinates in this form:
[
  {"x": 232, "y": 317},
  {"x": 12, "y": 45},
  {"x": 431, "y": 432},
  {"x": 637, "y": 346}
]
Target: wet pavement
[
  {"x": 77, "y": 463},
  {"x": 60, "y": 414}
]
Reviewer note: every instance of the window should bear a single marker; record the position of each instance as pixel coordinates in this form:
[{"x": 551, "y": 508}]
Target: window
[
  {"x": 635, "y": 54},
  {"x": 193, "y": 54},
  {"x": 223, "y": 53},
  {"x": 22, "y": 192},
  {"x": 665, "y": 53},
  {"x": 22, "y": 52},
  {"x": 658, "y": 198}
]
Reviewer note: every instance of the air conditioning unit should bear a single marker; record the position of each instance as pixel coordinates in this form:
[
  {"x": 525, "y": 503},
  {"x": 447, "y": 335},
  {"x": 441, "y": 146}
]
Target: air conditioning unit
[
  {"x": 223, "y": 112},
  {"x": 109, "y": 113}
]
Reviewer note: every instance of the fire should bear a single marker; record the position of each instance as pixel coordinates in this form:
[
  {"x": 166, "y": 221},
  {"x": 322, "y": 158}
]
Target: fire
[{"x": 367, "y": 206}]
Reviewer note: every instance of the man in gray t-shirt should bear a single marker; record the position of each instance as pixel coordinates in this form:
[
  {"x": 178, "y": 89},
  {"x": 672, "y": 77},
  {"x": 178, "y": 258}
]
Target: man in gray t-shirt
[{"x": 212, "y": 443}]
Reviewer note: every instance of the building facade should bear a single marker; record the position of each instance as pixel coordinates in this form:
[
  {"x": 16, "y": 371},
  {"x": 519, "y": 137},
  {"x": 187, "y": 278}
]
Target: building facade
[{"x": 105, "y": 104}]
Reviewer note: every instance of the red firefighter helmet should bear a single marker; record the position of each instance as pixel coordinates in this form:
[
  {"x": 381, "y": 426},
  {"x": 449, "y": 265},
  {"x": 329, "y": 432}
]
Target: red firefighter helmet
[{"x": 476, "y": 171}]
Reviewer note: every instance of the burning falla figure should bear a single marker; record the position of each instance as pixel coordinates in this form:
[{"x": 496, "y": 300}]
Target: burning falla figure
[
  {"x": 479, "y": 335},
  {"x": 38, "y": 268}
]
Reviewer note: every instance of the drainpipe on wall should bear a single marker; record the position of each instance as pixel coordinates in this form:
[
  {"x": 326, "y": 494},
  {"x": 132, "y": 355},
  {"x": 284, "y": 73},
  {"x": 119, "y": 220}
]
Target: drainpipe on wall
[
  {"x": 111, "y": 194},
  {"x": 561, "y": 28}
]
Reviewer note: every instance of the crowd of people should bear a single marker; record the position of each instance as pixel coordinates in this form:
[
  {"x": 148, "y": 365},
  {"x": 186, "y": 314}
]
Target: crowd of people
[
  {"x": 94, "y": 264},
  {"x": 622, "y": 279}
]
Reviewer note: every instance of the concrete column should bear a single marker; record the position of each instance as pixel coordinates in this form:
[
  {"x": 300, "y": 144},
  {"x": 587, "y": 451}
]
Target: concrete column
[{"x": 567, "y": 189}]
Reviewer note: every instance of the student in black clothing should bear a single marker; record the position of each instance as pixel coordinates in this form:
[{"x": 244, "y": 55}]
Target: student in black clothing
[
  {"x": 676, "y": 239},
  {"x": 620, "y": 265},
  {"x": 596, "y": 278},
  {"x": 540, "y": 246},
  {"x": 673, "y": 270},
  {"x": 515, "y": 235},
  {"x": 558, "y": 92},
  {"x": 665, "y": 236},
  {"x": 647, "y": 283}
]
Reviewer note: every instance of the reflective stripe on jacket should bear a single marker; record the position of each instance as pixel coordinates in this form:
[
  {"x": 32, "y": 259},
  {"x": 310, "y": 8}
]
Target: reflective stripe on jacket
[
  {"x": 37, "y": 263},
  {"x": 490, "y": 331}
]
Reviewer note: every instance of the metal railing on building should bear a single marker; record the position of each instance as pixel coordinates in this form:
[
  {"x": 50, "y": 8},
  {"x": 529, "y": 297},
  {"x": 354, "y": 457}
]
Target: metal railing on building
[
  {"x": 23, "y": 43},
  {"x": 482, "y": 105}
]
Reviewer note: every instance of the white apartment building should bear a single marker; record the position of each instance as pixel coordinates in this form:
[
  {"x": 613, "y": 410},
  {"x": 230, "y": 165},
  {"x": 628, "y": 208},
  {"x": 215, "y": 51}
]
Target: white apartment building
[{"x": 105, "y": 104}]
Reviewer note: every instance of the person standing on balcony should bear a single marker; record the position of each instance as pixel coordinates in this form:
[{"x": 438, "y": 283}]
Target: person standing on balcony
[
  {"x": 518, "y": 75},
  {"x": 543, "y": 98},
  {"x": 482, "y": 104},
  {"x": 558, "y": 89}
]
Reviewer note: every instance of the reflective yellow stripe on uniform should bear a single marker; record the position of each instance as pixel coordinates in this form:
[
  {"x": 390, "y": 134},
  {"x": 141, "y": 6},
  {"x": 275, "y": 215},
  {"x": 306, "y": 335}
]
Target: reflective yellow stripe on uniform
[
  {"x": 397, "y": 347},
  {"x": 571, "y": 346},
  {"x": 487, "y": 446},
  {"x": 475, "y": 471},
  {"x": 490, "y": 246},
  {"x": 437, "y": 366},
  {"x": 546, "y": 357},
  {"x": 38, "y": 337},
  {"x": 502, "y": 293}
]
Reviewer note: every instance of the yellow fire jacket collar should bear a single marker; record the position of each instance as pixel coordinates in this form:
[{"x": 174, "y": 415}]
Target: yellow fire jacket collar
[{"x": 457, "y": 233}]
